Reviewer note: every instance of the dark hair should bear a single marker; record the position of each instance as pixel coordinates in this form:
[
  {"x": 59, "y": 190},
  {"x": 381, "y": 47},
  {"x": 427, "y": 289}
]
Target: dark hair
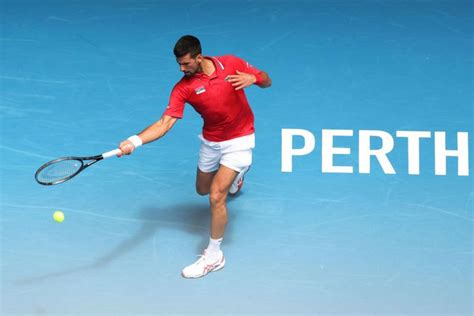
[{"x": 187, "y": 44}]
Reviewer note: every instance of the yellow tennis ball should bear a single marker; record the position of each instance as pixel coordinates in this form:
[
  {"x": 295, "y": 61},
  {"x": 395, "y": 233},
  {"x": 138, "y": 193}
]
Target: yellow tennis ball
[{"x": 58, "y": 216}]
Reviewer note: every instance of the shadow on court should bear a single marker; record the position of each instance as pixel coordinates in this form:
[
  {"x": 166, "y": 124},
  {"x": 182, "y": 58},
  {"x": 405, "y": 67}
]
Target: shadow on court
[{"x": 190, "y": 218}]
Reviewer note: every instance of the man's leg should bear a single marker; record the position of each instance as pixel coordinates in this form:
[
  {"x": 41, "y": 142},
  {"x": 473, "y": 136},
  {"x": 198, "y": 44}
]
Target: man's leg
[
  {"x": 213, "y": 258},
  {"x": 217, "y": 197},
  {"x": 203, "y": 181}
]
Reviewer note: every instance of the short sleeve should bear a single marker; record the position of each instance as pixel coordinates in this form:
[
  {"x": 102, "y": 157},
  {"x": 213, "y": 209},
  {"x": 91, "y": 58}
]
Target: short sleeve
[{"x": 177, "y": 101}]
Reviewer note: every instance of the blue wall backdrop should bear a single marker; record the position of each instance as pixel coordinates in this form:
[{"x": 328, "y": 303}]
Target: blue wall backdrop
[{"x": 77, "y": 77}]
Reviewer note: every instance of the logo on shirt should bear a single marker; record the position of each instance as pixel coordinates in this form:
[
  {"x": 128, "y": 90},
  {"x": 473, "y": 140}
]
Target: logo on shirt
[{"x": 200, "y": 90}]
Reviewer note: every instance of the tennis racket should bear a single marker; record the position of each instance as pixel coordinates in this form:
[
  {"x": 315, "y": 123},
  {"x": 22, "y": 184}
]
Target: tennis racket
[{"x": 62, "y": 169}]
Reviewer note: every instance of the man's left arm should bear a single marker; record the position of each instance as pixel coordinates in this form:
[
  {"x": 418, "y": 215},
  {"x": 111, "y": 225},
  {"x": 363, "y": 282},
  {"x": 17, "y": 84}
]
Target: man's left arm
[
  {"x": 249, "y": 76},
  {"x": 243, "y": 79}
]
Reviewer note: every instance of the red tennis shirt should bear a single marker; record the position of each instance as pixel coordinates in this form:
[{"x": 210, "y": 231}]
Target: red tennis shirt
[{"x": 225, "y": 111}]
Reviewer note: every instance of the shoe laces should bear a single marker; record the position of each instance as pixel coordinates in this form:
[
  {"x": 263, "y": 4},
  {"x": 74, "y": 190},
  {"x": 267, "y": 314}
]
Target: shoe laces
[{"x": 204, "y": 258}]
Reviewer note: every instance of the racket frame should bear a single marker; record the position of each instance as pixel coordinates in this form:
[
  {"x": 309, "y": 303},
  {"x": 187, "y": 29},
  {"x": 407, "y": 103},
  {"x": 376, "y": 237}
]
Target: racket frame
[{"x": 93, "y": 160}]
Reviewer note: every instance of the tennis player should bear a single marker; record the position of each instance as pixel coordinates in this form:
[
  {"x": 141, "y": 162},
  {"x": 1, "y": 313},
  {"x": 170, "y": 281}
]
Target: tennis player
[{"x": 214, "y": 86}]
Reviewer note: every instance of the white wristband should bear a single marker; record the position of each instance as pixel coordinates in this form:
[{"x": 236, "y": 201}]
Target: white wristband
[{"x": 136, "y": 140}]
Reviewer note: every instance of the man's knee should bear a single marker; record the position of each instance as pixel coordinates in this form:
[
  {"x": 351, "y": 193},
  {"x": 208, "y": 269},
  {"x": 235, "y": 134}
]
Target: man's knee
[
  {"x": 202, "y": 190},
  {"x": 217, "y": 197},
  {"x": 204, "y": 181}
]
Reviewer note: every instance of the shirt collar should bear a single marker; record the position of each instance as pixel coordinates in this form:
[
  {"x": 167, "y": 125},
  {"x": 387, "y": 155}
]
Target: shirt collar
[{"x": 217, "y": 64}]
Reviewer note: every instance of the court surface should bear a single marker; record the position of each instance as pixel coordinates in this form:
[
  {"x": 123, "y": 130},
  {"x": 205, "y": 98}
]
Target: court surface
[{"x": 77, "y": 77}]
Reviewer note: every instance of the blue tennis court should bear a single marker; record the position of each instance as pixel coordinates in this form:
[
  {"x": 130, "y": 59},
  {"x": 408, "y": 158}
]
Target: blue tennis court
[{"x": 77, "y": 77}]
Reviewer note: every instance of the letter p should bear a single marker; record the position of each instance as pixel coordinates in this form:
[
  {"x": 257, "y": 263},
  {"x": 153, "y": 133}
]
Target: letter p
[{"x": 287, "y": 150}]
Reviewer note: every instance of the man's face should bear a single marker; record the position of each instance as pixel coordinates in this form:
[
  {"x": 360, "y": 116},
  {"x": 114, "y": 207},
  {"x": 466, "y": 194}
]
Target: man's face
[{"x": 190, "y": 66}]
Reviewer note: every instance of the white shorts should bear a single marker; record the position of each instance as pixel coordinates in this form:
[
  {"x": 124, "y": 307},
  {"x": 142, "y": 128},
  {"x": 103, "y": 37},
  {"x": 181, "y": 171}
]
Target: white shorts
[{"x": 235, "y": 154}]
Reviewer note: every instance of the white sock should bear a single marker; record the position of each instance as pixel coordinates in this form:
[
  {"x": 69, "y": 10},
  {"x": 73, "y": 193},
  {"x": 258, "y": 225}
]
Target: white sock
[{"x": 214, "y": 248}]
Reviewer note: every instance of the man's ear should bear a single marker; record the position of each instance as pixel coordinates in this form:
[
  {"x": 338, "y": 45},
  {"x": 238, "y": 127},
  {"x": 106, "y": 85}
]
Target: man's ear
[{"x": 199, "y": 58}]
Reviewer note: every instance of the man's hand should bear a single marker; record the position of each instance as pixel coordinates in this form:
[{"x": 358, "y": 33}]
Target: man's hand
[
  {"x": 126, "y": 147},
  {"x": 241, "y": 80}
]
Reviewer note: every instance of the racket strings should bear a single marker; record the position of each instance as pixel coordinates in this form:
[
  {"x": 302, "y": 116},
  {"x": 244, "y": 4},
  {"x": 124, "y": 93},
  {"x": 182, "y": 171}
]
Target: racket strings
[{"x": 59, "y": 171}]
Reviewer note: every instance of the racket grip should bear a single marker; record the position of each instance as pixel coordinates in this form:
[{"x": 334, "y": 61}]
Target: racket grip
[{"x": 111, "y": 153}]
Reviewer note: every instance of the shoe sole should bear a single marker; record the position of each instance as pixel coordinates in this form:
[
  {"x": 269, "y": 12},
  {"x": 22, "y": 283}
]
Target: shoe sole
[
  {"x": 241, "y": 184},
  {"x": 238, "y": 188}
]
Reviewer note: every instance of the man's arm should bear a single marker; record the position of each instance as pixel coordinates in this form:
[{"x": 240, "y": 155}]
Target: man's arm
[
  {"x": 149, "y": 134},
  {"x": 242, "y": 80}
]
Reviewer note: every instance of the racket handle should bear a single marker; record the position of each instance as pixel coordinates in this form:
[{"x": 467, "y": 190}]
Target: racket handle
[{"x": 111, "y": 153}]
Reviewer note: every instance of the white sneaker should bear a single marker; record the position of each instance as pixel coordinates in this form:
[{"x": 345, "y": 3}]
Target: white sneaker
[
  {"x": 203, "y": 266},
  {"x": 238, "y": 181}
]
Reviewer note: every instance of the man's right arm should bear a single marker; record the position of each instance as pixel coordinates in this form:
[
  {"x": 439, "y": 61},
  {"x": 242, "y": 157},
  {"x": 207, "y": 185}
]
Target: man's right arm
[{"x": 148, "y": 135}]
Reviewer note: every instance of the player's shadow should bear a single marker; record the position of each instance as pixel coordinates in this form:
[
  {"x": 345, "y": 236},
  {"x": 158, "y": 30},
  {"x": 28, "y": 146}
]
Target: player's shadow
[{"x": 193, "y": 218}]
